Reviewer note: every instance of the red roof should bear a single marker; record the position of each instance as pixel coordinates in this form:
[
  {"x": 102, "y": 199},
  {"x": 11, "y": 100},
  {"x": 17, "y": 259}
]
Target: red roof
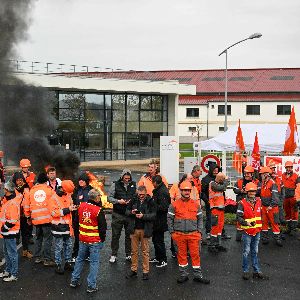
[
  {"x": 213, "y": 81},
  {"x": 193, "y": 100}
]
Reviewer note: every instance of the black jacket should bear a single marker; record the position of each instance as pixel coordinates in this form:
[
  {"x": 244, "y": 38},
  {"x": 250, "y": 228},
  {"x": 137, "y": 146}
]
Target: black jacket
[
  {"x": 206, "y": 180},
  {"x": 162, "y": 200},
  {"x": 149, "y": 213}
]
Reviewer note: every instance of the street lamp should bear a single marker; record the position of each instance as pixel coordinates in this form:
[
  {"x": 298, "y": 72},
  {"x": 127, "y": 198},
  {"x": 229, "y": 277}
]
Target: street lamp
[{"x": 252, "y": 36}]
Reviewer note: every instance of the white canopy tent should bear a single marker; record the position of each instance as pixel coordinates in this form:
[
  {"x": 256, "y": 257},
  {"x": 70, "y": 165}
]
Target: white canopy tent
[{"x": 271, "y": 138}]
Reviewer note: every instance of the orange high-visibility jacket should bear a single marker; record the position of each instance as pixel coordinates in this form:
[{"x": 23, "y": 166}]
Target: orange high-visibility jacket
[
  {"x": 10, "y": 217},
  {"x": 146, "y": 180},
  {"x": 24, "y": 199},
  {"x": 30, "y": 179},
  {"x": 289, "y": 184},
  {"x": 39, "y": 199},
  {"x": 175, "y": 193},
  {"x": 56, "y": 205},
  {"x": 216, "y": 198},
  {"x": 197, "y": 184}
]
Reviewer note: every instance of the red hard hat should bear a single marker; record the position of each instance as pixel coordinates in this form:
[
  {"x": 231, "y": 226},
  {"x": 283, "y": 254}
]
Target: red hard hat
[
  {"x": 25, "y": 163},
  {"x": 265, "y": 170},
  {"x": 249, "y": 169},
  {"x": 1, "y": 154},
  {"x": 250, "y": 186},
  {"x": 68, "y": 186},
  {"x": 185, "y": 185},
  {"x": 289, "y": 164}
]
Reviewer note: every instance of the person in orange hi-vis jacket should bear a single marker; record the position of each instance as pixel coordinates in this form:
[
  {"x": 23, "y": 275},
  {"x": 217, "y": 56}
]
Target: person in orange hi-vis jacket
[
  {"x": 289, "y": 181},
  {"x": 29, "y": 176},
  {"x": 217, "y": 189},
  {"x": 269, "y": 195},
  {"x": 38, "y": 213},
  {"x": 62, "y": 230},
  {"x": 26, "y": 229},
  {"x": 146, "y": 179},
  {"x": 9, "y": 228},
  {"x": 185, "y": 222}
]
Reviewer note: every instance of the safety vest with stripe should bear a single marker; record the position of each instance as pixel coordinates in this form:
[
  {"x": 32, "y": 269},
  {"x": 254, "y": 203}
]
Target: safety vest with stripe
[
  {"x": 10, "y": 213},
  {"x": 88, "y": 223},
  {"x": 39, "y": 199},
  {"x": 216, "y": 198},
  {"x": 61, "y": 224},
  {"x": 252, "y": 214}
]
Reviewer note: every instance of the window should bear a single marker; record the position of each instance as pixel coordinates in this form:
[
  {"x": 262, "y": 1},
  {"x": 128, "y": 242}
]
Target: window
[
  {"x": 192, "y": 112},
  {"x": 240, "y": 78},
  {"x": 221, "y": 110},
  {"x": 283, "y": 109},
  {"x": 253, "y": 110},
  {"x": 221, "y": 128},
  {"x": 282, "y": 77},
  {"x": 213, "y": 78},
  {"x": 192, "y": 129}
]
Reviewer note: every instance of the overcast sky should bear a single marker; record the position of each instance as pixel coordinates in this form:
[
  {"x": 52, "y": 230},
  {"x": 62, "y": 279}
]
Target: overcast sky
[{"x": 164, "y": 34}]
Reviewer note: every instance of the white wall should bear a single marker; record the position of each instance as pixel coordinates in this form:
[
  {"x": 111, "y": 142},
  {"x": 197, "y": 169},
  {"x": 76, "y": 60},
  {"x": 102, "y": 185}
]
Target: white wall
[{"x": 268, "y": 114}]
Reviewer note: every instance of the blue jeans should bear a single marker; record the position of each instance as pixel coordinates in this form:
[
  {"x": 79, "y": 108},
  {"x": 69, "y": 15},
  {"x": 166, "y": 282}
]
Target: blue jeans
[
  {"x": 250, "y": 246},
  {"x": 63, "y": 243},
  {"x": 85, "y": 251},
  {"x": 11, "y": 256}
]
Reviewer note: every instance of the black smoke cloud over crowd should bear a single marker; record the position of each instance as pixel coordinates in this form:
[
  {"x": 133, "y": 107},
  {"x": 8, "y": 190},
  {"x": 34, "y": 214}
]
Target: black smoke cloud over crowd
[{"x": 26, "y": 112}]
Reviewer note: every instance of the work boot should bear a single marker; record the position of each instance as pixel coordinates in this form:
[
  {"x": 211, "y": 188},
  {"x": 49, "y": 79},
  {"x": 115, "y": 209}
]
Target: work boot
[
  {"x": 27, "y": 254},
  {"x": 198, "y": 276},
  {"x": 68, "y": 266},
  {"x": 278, "y": 240},
  {"x": 288, "y": 228},
  {"x": 219, "y": 246},
  {"x": 212, "y": 247},
  {"x": 183, "y": 274},
  {"x": 260, "y": 275},
  {"x": 246, "y": 275},
  {"x": 264, "y": 237},
  {"x": 59, "y": 269},
  {"x": 238, "y": 236}
]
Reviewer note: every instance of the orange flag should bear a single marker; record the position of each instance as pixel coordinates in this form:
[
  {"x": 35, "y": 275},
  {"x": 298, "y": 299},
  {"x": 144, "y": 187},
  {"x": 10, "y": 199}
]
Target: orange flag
[
  {"x": 239, "y": 149},
  {"x": 255, "y": 157},
  {"x": 291, "y": 136}
]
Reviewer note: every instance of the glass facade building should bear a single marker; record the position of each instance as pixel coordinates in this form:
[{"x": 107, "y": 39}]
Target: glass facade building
[{"x": 111, "y": 126}]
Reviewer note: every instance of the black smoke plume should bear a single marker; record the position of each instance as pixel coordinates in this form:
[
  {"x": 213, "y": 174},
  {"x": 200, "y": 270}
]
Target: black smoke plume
[{"x": 26, "y": 112}]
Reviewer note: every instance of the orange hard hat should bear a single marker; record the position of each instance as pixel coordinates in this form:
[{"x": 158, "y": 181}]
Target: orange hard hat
[
  {"x": 25, "y": 163},
  {"x": 250, "y": 186},
  {"x": 185, "y": 185},
  {"x": 1, "y": 154},
  {"x": 265, "y": 170},
  {"x": 68, "y": 186},
  {"x": 249, "y": 169},
  {"x": 272, "y": 164},
  {"x": 288, "y": 163}
]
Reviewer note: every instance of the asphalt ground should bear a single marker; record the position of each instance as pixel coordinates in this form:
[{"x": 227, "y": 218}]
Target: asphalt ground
[{"x": 224, "y": 270}]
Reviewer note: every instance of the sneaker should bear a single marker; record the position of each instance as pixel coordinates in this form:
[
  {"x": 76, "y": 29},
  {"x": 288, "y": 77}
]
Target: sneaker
[
  {"x": 59, "y": 270},
  {"x": 145, "y": 276},
  {"x": 4, "y": 274},
  {"x": 153, "y": 260},
  {"x": 182, "y": 279},
  {"x": 74, "y": 284},
  {"x": 161, "y": 264},
  {"x": 208, "y": 236},
  {"x": 246, "y": 276},
  {"x": 128, "y": 258},
  {"x": 68, "y": 266},
  {"x": 201, "y": 280},
  {"x": 10, "y": 278},
  {"x": 92, "y": 290},
  {"x": 131, "y": 274},
  {"x": 38, "y": 260},
  {"x": 49, "y": 263},
  {"x": 27, "y": 254},
  {"x": 113, "y": 259},
  {"x": 260, "y": 276}
]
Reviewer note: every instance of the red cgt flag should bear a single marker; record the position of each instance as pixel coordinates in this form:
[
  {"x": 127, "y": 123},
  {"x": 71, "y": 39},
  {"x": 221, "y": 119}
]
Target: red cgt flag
[
  {"x": 291, "y": 136},
  {"x": 255, "y": 157},
  {"x": 239, "y": 149}
]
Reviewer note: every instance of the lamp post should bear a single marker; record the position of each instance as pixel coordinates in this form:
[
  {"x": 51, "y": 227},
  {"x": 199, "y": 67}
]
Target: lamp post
[{"x": 252, "y": 36}]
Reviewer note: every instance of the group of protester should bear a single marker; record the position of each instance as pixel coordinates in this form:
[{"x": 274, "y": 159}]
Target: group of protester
[{"x": 72, "y": 214}]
